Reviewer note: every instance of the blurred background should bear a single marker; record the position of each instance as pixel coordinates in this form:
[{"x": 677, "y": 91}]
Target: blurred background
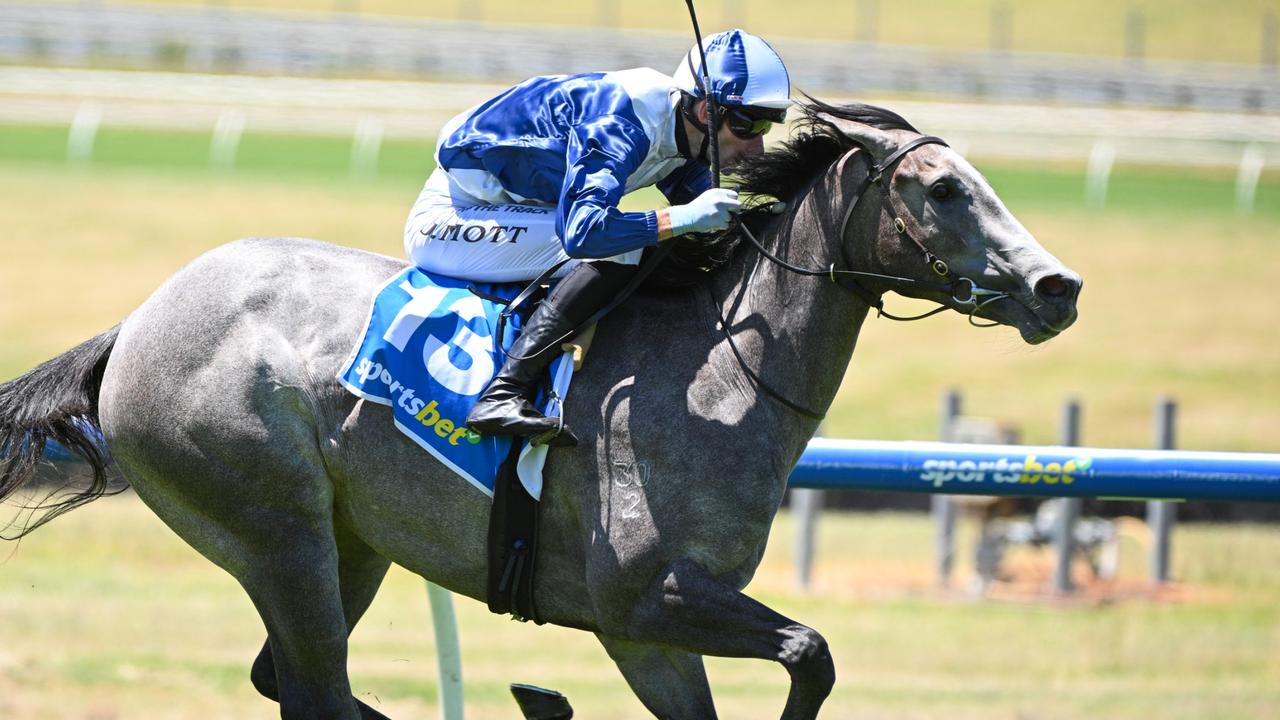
[{"x": 1139, "y": 141}]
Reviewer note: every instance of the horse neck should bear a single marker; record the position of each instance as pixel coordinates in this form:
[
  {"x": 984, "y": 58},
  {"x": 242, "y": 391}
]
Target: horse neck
[{"x": 795, "y": 332}]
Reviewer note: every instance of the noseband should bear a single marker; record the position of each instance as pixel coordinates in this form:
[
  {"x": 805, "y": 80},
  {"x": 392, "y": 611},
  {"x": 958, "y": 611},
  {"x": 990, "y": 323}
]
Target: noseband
[{"x": 962, "y": 290}]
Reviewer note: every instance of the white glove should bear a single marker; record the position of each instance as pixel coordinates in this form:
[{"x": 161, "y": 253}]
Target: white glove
[{"x": 710, "y": 211}]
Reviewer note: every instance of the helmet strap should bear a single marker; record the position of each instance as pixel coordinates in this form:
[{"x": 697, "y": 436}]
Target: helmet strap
[
  {"x": 702, "y": 151},
  {"x": 687, "y": 111}
]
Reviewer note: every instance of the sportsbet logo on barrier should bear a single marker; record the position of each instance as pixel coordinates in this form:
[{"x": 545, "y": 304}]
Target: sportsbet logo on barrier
[{"x": 1028, "y": 470}]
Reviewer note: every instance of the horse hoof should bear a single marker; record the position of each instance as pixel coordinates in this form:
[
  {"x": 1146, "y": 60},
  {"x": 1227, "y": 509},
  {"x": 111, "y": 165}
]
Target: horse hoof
[{"x": 541, "y": 704}]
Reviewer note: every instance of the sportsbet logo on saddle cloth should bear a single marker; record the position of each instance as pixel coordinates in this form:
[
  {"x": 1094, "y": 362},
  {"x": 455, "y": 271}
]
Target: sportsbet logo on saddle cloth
[{"x": 428, "y": 351}]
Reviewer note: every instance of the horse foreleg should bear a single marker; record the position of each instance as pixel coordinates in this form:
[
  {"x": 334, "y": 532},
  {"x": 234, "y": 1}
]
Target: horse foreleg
[
  {"x": 360, "y": 573},
  {"x": 689, "y": 609},
  {"x": 671, "y": 683}
]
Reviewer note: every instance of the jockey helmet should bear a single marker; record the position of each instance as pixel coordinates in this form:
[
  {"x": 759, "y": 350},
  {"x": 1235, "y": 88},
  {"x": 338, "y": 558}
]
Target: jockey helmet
[{"x": 745, "y": 72}]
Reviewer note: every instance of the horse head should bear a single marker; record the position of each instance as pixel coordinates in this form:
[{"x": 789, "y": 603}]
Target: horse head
[{"x": 936, "y": 222}]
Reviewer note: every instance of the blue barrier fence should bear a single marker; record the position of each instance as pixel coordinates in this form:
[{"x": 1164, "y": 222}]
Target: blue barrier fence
[{"x": 1041, "y": 471}]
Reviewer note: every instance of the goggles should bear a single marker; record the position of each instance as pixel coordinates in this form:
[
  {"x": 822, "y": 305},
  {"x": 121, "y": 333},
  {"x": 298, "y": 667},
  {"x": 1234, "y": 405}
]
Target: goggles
[{"x": 747, "y": 125}]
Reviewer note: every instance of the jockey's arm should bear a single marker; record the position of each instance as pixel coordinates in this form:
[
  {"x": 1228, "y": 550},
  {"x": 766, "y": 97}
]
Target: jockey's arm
[
  {"x": 602, "y": 154},
  {"x": 685, "y": 182}
]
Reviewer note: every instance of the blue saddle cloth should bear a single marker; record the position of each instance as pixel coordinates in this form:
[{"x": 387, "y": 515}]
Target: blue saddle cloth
[{"x": 429, "y": 349}]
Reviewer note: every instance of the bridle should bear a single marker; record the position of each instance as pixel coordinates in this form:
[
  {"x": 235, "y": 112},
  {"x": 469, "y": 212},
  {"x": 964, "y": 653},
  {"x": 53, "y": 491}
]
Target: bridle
[{"x": 962, "y": 290}]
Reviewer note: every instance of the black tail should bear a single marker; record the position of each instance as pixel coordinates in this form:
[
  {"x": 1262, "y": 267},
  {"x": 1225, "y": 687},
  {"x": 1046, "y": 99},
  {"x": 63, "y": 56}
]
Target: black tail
[{"x": 57, "y": 401}]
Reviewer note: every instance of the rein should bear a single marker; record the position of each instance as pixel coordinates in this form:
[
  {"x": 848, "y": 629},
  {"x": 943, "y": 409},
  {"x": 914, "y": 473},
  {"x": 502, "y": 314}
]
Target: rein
[{"x": 962, "y": 290}]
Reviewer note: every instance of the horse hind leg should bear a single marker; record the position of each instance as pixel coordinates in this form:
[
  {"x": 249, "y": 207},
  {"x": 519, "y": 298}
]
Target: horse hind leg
[
  {"x": 274, "y": 532},
  {"x": 672, "y": 684},
  {"x": 294, "y": 586},
  {"x": 225, "y": 452},
  {"x": 360, "y": 574},
  {"x": 689, "y": 609}
]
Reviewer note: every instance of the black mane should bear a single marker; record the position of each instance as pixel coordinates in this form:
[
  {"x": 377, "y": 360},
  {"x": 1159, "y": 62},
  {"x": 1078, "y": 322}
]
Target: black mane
[
  {"x": 815, "y": 143},
  {"x": 782, "y": 173}
]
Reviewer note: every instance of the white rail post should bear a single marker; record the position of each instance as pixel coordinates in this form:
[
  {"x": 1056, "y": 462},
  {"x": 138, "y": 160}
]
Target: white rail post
[
  {"x": 1247, "y": 177},
  {"x": 1001, "y": 27},
  {"x": 942, "y": 507},
  {"x": 226, "y": 140},
  {"x": 1270, "y": 46},
  {"x": 448, "y": 652},
  {"x": 1101, "y": 159},
  {"x": 83, "y": 133},
  {"x": 607, "y": 14},
  {"x": 867, "y": 22},
  {"x": 806, "y": 505},
  {"x": 1068, "y": 508},
  {"x": 735, "y": 13},
  {"x": 1161, "y": 514},
  {"x": 365, "y": 148},
  {"x": 471, "y": 10},
  {"x": 1135, "y": 34}
]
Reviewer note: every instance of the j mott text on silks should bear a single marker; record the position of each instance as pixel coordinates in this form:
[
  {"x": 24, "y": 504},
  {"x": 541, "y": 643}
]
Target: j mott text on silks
[{"x": 473, "y": 232}]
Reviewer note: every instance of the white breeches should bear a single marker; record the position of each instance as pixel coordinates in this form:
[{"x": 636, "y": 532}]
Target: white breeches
[{"x": 465, "y": 225}]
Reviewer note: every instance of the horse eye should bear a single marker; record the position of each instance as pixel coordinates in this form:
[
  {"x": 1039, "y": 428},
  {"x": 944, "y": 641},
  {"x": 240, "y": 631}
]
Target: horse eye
[{"x": 940, "y": 191}]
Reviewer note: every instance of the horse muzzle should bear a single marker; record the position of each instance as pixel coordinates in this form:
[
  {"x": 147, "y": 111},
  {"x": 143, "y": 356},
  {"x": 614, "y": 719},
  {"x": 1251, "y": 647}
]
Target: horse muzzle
[{"x": 1039, "y": 313}]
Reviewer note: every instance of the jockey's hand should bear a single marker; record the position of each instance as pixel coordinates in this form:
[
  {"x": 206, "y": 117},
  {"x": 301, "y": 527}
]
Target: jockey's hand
[{"x": 712, "y": 210}]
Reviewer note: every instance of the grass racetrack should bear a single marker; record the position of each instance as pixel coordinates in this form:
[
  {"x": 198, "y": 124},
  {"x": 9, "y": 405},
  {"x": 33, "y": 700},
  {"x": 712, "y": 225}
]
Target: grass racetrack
[{"x": 107, "y": 615}]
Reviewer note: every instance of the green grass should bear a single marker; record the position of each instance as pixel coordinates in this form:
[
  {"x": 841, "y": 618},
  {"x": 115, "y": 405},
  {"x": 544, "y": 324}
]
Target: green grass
[
  {"x": 315, "y": 157},
  {"x": 109, "y": 615},
  {"x": 326, "y": 159},
  {"x": 1227, "y": 31},
  {"x": 1132, "y": 190}
]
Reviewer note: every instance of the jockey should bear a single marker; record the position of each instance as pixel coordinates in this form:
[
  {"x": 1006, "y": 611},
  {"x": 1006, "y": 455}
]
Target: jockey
[{"x": 534, "y": 176}]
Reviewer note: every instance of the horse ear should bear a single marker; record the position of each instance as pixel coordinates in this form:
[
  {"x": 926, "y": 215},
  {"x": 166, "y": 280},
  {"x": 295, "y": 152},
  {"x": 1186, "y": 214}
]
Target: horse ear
[{"x": 878, "y": 142}]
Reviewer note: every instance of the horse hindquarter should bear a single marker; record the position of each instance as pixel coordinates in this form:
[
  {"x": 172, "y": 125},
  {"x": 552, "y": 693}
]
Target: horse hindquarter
[{"x": 209, "y": 407}]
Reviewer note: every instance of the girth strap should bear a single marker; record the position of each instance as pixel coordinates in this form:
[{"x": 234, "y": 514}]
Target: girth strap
[{"x": 513, "y": 544}]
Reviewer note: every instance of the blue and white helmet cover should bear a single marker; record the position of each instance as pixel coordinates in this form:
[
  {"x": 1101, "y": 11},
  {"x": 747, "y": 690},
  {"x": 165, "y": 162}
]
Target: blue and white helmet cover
[{"x": 744, "y": 69}]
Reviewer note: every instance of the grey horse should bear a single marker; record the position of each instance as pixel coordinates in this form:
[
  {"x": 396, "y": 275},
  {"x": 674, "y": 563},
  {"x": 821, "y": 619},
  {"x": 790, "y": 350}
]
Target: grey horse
[{"x": 218, "y": 403}]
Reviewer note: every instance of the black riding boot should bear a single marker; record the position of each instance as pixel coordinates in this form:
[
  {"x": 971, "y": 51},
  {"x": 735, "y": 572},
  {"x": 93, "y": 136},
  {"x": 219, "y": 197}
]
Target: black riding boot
[{"x": 506, "y": 407}]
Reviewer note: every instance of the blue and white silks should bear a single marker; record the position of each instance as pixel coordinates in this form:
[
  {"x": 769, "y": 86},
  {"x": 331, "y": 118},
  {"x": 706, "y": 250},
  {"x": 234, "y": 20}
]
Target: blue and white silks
[
  {"x": 428, "y": 351},
  {"x": 578, "y": 143}
]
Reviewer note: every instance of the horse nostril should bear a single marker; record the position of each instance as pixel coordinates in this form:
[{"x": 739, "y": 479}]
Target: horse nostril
[{"x": 1056, "y": 287}]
